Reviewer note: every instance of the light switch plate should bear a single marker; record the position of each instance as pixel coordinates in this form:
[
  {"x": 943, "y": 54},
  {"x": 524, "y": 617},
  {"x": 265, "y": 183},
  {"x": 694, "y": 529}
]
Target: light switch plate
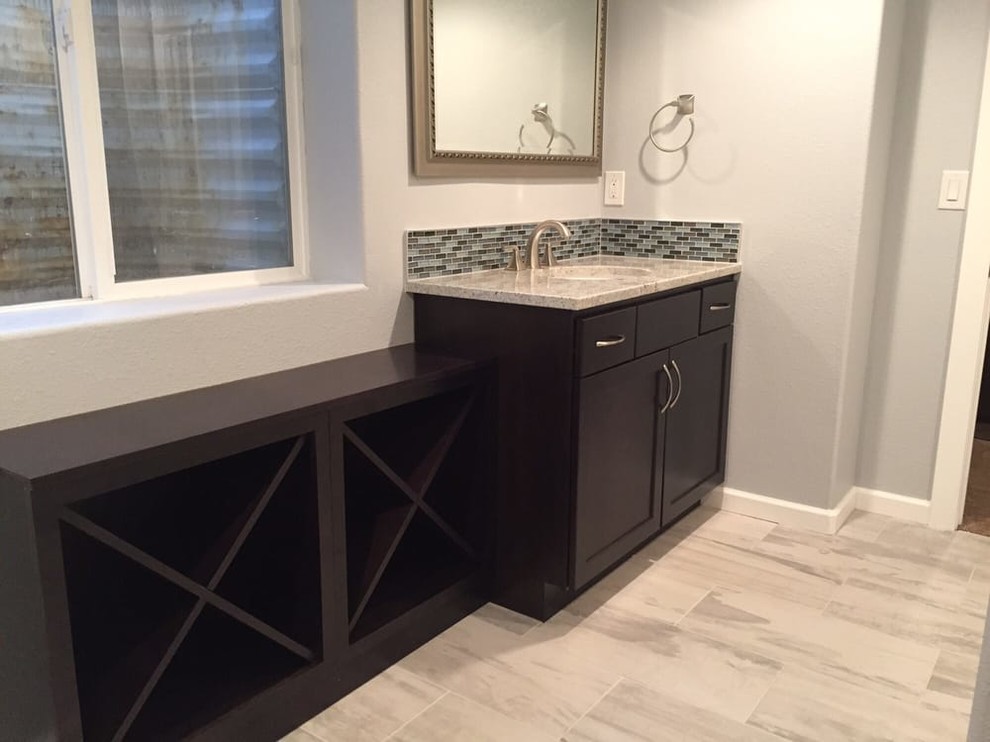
[
  {"x": 615, "y": 188},
  {"x": 955, "y": 188}
]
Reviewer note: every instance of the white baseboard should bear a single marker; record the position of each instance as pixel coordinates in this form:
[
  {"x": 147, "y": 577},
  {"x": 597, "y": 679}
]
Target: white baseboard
[
  {"x": 895, "y": 506},
  {"x": 790, "y": 514},
  {"x": 821, "y": 520}
]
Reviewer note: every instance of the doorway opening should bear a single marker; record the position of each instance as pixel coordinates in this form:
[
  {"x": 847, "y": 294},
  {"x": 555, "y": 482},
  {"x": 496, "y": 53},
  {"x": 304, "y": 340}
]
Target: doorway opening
[
  {"x": 976, "y": 513},
  {"x": 961, "y": 486}
]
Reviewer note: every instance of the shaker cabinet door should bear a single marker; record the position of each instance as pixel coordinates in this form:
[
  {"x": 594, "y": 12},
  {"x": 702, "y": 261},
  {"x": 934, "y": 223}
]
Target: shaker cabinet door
[
  {"x": 696, "y": 422},
  {"x": 619, "y": 460}
]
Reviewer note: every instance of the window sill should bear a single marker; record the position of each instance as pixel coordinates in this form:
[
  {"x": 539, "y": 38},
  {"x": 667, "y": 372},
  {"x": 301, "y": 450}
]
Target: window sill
[{"x": 40, "y": 319}]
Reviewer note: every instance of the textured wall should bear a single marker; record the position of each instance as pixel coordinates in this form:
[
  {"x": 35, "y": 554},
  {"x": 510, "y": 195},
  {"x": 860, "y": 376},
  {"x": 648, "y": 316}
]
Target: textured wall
[
  {"x": 855, "y": 364},
  {"x": 938, "y": 100},
  {"x": 785, "y": 101}
]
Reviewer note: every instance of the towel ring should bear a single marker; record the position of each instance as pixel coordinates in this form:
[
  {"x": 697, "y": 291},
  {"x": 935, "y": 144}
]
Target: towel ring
[
  {"x": 685, "y": 107},
  {"x": 541, "y": 113}
]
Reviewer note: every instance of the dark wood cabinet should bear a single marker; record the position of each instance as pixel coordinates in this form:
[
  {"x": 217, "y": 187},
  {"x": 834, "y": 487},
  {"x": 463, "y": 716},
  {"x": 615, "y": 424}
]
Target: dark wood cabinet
[
  {"x": 607, "y": 340},
  {"x": 612, "y": 425},
  {"x": 619, "y": 463},
  {"x": 228, "y": 562},
  {"x": 665, "y": 322},
  {"x": 696, "y": 422}
]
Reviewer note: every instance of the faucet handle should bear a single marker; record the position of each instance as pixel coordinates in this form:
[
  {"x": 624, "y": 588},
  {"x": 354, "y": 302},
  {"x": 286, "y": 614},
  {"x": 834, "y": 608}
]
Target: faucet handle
[
  {"x": 515, "y": 259},
  {"x": 551, "y": 258}
]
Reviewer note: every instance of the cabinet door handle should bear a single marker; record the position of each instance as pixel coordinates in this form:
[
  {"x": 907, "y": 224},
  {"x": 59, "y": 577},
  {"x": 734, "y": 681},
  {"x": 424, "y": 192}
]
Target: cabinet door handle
[
  {"x": 611, "y": 342},
  {"x": 670, "y": 390},
  {"x": 719, "y": 307},
  {"x": 680, "y": 385}
]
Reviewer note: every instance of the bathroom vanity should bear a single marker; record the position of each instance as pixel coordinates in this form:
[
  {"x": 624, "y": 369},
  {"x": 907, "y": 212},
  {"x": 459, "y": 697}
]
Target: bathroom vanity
[
  {"x": 613, "y": 401},
  {"x": 225, "y": 563}
]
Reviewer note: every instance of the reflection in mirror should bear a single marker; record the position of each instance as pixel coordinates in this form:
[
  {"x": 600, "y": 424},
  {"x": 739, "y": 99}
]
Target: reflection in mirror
[
  {"x": 514, "y": 85},
  {"x": 515, "y": 76}
]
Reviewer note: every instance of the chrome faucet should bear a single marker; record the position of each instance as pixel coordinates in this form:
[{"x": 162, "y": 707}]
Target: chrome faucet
[{"x": 533, "y": 244}]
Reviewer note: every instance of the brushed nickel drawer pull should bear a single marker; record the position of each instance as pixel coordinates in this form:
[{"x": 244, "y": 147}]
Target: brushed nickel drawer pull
[
  {"x": 611, "y": 342},
  {"x": 719, "y": 307},
  {"x": 670, "y": 390},
  {"x": 680, "y": 384}
]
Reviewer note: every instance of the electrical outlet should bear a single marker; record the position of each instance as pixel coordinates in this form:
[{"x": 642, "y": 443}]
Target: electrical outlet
[{"x": 615, "y": 188}]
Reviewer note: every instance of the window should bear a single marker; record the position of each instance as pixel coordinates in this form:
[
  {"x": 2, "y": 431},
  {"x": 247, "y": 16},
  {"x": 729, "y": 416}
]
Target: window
[
  {"x": 147, "y": 146},
  {"x": 36, "y": 258}
]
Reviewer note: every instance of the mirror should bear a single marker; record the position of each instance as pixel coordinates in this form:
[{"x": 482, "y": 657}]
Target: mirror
[{"x": 508, "y": 87}]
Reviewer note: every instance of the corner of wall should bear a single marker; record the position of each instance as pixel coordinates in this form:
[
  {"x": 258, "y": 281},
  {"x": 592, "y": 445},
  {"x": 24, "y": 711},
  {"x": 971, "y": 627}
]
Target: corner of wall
[
  {"x": 937, "y": 102},
  {"x": 855, "y": 362}
]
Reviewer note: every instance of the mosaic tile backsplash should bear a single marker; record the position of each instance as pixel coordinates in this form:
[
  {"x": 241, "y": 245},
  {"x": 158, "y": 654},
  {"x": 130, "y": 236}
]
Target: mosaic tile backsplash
[
  {"x": 637, "y": 238},
  {"x": 449, "y": 252}
]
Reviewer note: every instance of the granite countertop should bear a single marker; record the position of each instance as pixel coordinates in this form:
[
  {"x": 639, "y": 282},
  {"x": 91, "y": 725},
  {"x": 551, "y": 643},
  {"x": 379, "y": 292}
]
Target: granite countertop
[{"x": 555, "y": 289}]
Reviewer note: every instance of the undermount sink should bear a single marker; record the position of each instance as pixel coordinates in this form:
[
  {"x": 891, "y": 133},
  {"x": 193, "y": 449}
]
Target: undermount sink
[{"x": 596, "y": 272}]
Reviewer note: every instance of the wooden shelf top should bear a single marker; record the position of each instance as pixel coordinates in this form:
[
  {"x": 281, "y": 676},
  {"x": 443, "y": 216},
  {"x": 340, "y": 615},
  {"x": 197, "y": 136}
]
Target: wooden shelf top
[{"x": 56, "y": 447}]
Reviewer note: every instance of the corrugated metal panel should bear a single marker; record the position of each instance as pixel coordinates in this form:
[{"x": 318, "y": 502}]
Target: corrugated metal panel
[
  {"x": 194, "y": 124},
  {"x": 36, "y": 260},
  {"x": 194, "y": 119}
]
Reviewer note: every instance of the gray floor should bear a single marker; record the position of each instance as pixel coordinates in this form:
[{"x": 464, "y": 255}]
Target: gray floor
[{"x": 727, "y": 628}]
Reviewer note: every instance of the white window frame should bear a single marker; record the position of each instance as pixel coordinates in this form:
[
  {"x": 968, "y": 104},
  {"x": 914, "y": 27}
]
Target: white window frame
[{"x": 82, "y": 125}]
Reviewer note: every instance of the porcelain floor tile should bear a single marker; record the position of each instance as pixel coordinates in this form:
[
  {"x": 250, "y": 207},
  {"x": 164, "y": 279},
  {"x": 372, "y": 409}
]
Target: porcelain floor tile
[
  {"x": 864, "y": 526},
  {"x": 634, "y": 713},
  {"x": 925, "y": 618},
  {"x": 839, "y": 558},
  {"x": 695, "y": 669},
  {"x": 301, "y": 736},
  {"x": 805, "y": 705},
  {"x": 457, "y": 719},
  {"x": 722, "y": 526},
  {"x": 978, "y": 592},
  {"x": 800, "y": 636},
  {"x": 955, "y": 674},
  {"x": 723, "y": 628},
  {"x": 376, "y": 709},
  {"x": 734, "y": 566},
  {"x": 532, "y": 681},
  {"x": 511, "y": 621},
  {"x": 644, "y": 589},
  {"x": 917, "y": 539},
  {"x": 947, "y": 702},
  {"x": 970, "y": 548}
]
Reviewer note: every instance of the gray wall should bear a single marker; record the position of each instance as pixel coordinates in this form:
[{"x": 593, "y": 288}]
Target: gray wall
[
  {"x": 938, "y": 101},
  {"x": 854, "y": 367},
  {"x": 786, "y": 94},
  {"x": 833, "y": 169}
]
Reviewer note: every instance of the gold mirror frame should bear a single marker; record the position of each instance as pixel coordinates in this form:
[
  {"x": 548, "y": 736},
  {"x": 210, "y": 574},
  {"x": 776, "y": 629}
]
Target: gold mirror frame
[{"x": 428, "y": 162}]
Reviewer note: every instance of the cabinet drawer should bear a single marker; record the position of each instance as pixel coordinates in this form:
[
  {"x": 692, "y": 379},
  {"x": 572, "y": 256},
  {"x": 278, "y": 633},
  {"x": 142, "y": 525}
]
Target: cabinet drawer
[
  {"x": 718, "y": 306},
  {"x": 607, "y": 340},
  {"x": 667, "y": 322}
]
